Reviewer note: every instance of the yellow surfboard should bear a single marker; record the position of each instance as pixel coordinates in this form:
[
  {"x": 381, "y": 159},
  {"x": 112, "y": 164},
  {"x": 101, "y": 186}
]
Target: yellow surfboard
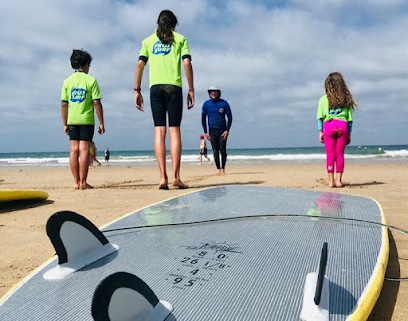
[{"x": 8, "y": 195}]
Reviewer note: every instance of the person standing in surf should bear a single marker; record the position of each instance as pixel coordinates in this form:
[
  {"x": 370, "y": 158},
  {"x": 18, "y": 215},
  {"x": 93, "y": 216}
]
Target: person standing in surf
[
  {"x": 334, "y": 123},
  {"x": 165, "y": 50},
  {"x": 218, "y": 113},
  {"x": 107, "y": 154},
  {"x": 80, "y": 98},
  {"x": 203, "y": 150}
]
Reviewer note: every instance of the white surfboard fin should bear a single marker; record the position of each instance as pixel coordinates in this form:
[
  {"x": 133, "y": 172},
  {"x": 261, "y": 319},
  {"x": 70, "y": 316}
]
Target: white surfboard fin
[
  {"x": 316, "y": 293},
  {"x": 77, "y": 242},
  {"x": 123, "y": 296}
]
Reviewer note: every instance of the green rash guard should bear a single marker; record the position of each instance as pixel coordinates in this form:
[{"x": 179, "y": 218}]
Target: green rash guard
[
  {"x": 80, "y": 90},
  {"x": 324, "y": 114},
  {"x": 165, "y": 59}
]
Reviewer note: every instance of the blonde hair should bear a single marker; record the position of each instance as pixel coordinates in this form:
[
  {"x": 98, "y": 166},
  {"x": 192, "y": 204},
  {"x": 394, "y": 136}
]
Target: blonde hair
[{"x": 338, "y": 94}]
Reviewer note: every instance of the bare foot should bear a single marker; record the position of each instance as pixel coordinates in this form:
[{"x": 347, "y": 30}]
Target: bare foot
[
  {"x": 332, "y": 184},
  {"x": 339, "y": 184},
  {"x": 163, "y": 186},
  {"x": 221, "y": 172},
  {"x": 179, "y": 184},
  {"x": 86, "y": 186}
]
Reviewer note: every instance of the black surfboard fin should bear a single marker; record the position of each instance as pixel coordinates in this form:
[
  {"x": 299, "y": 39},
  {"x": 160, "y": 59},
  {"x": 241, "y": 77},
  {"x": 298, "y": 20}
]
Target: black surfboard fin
[
  {"x": 123, "y": 296},
  {"x": 77, "y": 242},
  {"x": 316, "y": 292}
]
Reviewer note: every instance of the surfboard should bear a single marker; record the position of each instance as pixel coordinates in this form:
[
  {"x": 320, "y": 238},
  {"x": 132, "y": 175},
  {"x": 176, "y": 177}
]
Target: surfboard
[
  {"x": 9, "y": 195},
  {"x": 221, "y": 253}
]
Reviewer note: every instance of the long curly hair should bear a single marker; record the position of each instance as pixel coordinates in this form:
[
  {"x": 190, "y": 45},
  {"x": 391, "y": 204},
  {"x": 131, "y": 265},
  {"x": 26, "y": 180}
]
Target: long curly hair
[
  {"x": 166, "y": 23},
  {"x": 338, "y": 94}
]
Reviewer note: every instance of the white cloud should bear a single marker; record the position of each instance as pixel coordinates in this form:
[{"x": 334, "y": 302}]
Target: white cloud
[{"x": 270, "y": 59}]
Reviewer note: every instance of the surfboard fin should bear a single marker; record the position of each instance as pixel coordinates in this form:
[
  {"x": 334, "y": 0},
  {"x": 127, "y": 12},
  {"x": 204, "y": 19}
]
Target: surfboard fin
[
  {"x": 316, "y": 292},
  {"x": 77, "y": 242},
  {"x": 123, "y": 296}
]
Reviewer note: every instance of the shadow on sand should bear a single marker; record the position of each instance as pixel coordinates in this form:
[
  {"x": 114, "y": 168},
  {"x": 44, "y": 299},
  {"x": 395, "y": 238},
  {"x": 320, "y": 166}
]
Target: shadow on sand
[
  {"x": 7, "y": 207},
  {"x": 384, "y": 307}
]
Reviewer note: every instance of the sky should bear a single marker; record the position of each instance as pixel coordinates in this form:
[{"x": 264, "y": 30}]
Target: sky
[{"x": 270, "y": 59}]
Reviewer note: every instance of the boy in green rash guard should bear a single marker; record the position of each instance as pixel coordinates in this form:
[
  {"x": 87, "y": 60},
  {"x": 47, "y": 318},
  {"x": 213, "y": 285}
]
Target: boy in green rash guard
[
  {"x": 166, "y": 49},
  {"x": 334, "y": 123},
  {"x": 80, "y": 98}
]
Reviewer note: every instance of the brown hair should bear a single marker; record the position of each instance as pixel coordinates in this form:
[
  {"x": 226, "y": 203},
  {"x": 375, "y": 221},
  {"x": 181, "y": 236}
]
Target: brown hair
[
  {"x": 337, "y": 92},
  {"x": 166, "y": 22}
]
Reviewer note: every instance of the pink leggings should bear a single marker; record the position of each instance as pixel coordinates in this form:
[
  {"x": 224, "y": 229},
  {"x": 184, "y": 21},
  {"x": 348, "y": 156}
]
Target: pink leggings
[{"x": 336, "y": 137}]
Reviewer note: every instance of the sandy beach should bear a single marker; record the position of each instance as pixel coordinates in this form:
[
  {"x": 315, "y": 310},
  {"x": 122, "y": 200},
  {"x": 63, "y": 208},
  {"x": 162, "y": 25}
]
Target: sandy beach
[{"x": 120, "y": 190}]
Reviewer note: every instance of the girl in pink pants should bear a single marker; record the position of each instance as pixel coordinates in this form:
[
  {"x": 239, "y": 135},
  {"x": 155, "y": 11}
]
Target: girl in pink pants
[
  {"x": 335, "y": 138},
  {"x": 334, "y": 123}
]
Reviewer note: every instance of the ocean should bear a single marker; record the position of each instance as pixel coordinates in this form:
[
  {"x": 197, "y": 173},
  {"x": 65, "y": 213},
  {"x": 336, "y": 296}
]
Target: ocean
[{"x": 386, "y": 153}]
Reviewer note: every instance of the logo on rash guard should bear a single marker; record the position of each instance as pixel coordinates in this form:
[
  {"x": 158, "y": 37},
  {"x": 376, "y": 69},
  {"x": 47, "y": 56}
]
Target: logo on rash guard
[
  {"x": 160, "y": 48},
  {"x": 78, "y": 95}
]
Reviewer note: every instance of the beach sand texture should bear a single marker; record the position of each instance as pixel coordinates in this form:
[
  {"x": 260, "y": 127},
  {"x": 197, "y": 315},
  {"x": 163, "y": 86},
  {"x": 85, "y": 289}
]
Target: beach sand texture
[{"x": 120, "y": 190}]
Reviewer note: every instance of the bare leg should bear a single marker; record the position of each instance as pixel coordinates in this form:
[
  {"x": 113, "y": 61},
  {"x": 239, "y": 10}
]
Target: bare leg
[
  {"x": 338, "y": 180},
  {"x": 83, "y": 164},
  {"x": 160, "y": 151},
  {"x": 331, "y": 180},
  {"x": 175, "y": 151},
  {"x": 74, "y": 162}
]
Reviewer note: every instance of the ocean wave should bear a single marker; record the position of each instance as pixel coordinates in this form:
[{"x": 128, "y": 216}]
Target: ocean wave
[{"x": 235, "y": 156}]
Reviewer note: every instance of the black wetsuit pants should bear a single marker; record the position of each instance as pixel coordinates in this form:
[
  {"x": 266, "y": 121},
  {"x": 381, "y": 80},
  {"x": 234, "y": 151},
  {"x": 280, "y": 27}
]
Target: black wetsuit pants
[{"x": 219, "y": 146}]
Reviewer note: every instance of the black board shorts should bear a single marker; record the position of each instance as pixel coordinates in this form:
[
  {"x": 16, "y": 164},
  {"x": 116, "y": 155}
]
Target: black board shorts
[
  {"x": 166, "y": 101},
  {"x": 81, "y": 132}
]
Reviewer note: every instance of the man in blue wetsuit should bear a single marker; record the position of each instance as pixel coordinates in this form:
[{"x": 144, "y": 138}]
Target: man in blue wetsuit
[{"x": 218, "y": 113}]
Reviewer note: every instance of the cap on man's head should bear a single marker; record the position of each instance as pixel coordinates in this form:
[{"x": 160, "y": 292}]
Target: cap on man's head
[
  {"x": 214, "y": 88},
  {"x": 201, "y": 136}
]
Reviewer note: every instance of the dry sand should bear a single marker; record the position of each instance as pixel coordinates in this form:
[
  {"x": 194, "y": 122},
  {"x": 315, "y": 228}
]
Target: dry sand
[{"x": 24, "y": 244}]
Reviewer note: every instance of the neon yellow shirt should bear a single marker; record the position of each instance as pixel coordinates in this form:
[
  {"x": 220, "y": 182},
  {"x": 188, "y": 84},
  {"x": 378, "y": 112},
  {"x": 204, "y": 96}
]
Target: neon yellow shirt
[
  {"x": 325, "y": 114},
  {"x": 165, "y": 59},
  {"x": 79, "y": 90}
]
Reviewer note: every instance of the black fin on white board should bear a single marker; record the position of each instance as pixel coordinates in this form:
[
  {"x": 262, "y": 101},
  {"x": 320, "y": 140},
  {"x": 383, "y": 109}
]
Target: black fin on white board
[
  {"x": 77, "y": 242},
  {"x": 123, "y": 296}
]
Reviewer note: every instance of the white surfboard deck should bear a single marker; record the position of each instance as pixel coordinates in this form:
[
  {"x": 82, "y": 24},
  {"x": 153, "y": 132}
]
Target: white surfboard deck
[{"x": 228, "y": 253}]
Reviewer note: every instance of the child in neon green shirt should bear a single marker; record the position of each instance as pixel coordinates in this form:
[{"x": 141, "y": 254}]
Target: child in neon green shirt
[
  {"x": 80, "y": 98},
  {"x": 334, "y": 123}
]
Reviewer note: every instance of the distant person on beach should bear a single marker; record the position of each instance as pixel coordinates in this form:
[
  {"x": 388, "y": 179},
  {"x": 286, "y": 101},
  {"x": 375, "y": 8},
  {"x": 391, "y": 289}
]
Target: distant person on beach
[
  {"x": 218, "y": 113},
  {"x": 165, "y": 49},
  {"x": 92, "y": 154},
  {"x": 334, "y": 123},
  {"x": 80, "y": 98},
  {"x": 203, "y": 150},
  {"x": 107, "y": 154}
]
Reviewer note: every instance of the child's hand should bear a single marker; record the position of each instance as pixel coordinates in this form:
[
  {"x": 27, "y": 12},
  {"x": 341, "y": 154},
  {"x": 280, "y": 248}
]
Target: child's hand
[
  {"x": 139, "y": 101},
  {"x": 190, "y": 99},
  {"x": 321, "y": 139}
]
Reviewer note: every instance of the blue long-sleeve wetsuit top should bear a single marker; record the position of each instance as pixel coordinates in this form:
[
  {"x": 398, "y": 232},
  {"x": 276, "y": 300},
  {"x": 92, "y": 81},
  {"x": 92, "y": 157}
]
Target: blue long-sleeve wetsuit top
[{"x": 216, "y": 111}]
